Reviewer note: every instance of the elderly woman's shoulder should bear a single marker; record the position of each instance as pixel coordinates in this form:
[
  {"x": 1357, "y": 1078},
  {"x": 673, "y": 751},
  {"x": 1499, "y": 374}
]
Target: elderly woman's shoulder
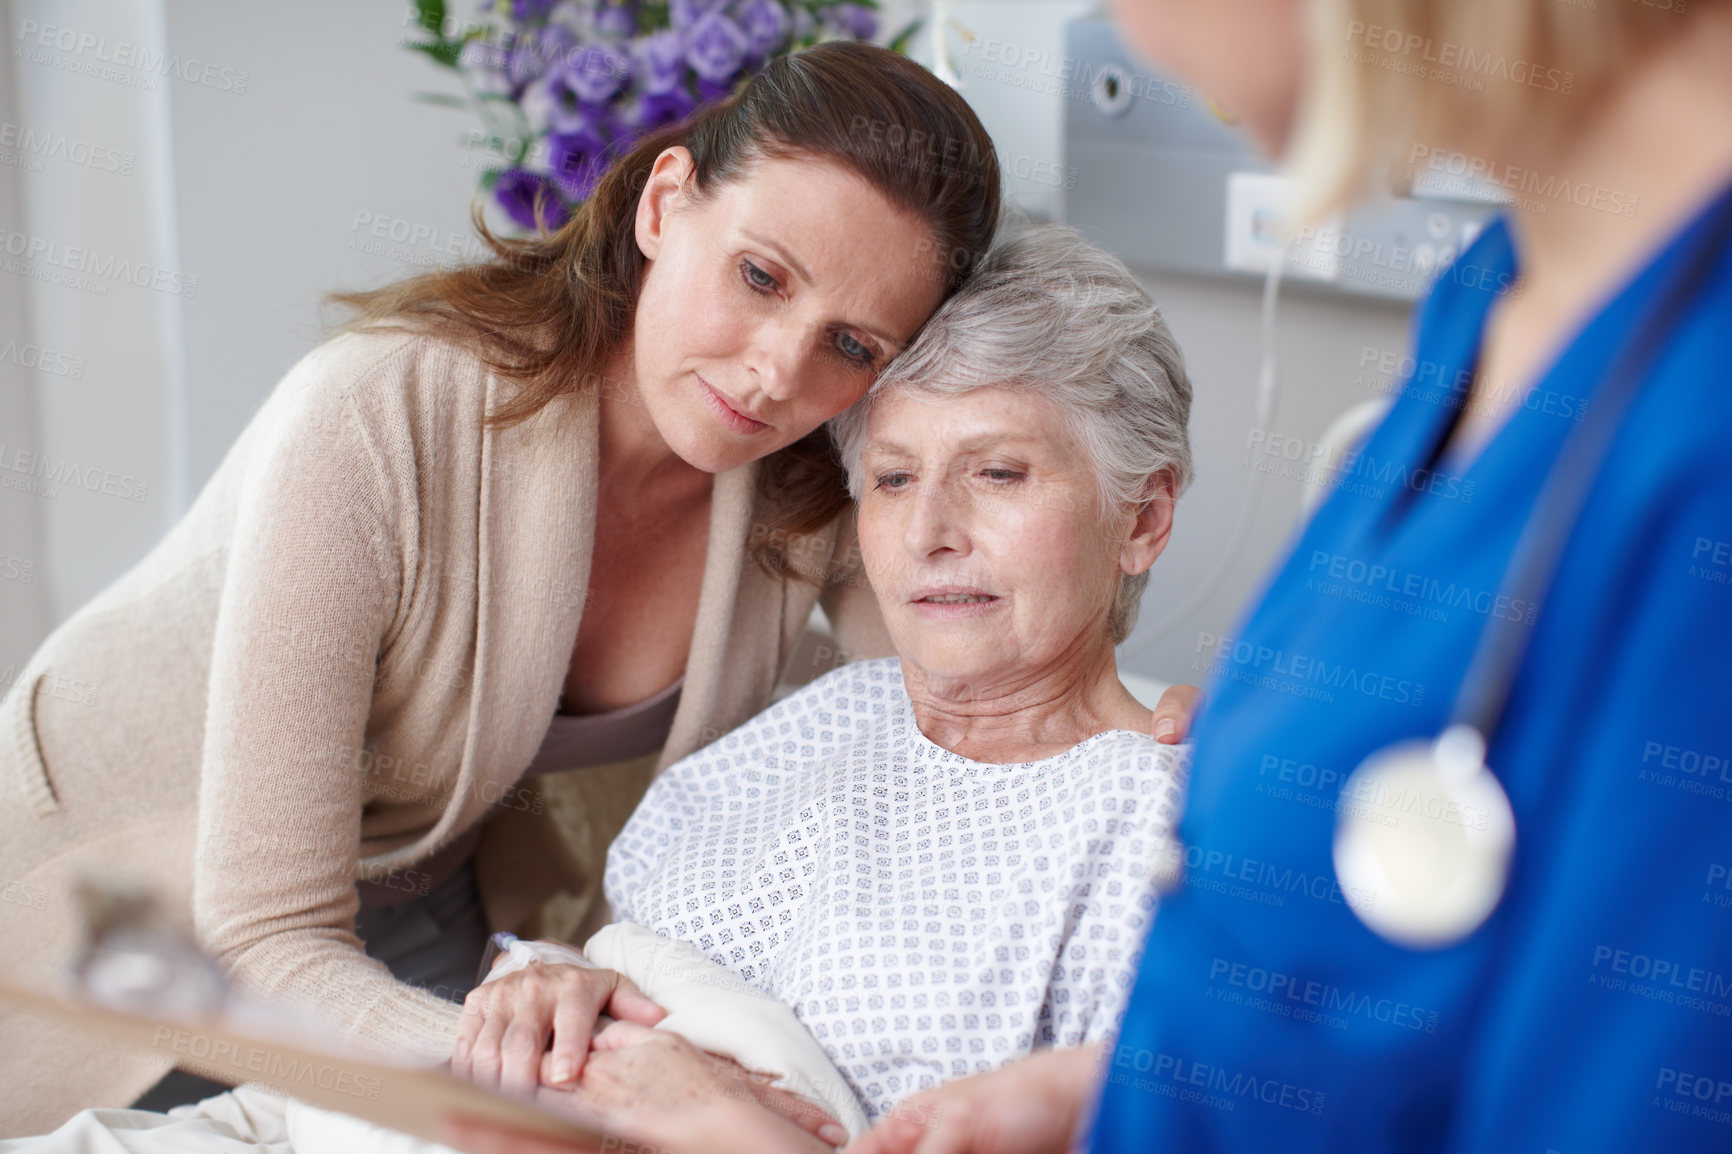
[
  {"x": 1139, "y": 754},
  {"x": 1139, "y": 781}
]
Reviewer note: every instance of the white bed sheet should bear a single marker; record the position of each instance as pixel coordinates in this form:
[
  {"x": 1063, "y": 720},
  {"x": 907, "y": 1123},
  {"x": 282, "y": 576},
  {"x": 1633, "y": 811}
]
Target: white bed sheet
[{"x": 707, "y": 1003}]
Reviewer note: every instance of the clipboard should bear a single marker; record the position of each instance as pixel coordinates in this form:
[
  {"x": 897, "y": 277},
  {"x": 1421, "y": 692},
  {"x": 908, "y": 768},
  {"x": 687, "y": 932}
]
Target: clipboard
[{"x": 408, "y": 1099}]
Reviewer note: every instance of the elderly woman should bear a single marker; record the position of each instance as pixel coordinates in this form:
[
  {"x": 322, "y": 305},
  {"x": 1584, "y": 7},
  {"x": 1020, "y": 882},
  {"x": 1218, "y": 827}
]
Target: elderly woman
[{"x": 945, "y": 860}]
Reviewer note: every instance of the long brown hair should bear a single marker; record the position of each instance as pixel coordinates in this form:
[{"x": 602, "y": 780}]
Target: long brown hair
[{"x": 548, "y": 310}]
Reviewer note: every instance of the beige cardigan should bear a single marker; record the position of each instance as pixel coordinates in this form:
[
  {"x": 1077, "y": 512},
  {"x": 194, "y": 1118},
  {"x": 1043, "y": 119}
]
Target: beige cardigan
[{"x": 341, "y": 658}]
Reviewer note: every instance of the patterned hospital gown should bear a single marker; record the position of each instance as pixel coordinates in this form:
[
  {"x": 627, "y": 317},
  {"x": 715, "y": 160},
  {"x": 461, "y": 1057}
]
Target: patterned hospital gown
[{"x": 925, "y": 915}]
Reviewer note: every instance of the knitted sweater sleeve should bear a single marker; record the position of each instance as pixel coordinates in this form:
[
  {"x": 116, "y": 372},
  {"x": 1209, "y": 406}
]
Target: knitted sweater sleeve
[{"x": 312, "y": 587}]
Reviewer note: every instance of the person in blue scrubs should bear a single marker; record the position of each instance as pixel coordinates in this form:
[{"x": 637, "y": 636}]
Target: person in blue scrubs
[
  {"x": 1593, "y": 1009},
  {"x": 1590, "y": 1011}
]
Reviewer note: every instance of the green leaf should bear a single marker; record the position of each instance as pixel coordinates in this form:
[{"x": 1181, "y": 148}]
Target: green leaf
[
  {"x": 441, "y": 52},
  {"x": 443, "y": 99},
  {"x": 430, "y": 14},
  {"x": 900, "y": 41}
]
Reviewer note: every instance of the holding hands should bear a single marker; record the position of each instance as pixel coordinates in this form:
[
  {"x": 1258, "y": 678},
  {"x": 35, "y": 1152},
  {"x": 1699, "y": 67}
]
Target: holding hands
[
  {"x": 507, "y": 1023},
  {"x": 667, "y": 1094},
  {"x": 653, "y": 1083}
]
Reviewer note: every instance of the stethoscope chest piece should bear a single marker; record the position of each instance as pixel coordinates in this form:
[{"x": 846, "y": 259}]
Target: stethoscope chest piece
[{"x": 1423, "y": 840}]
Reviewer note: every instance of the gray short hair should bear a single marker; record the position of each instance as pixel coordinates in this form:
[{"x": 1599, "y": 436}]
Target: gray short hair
[{"x": 1045, "y": 310}]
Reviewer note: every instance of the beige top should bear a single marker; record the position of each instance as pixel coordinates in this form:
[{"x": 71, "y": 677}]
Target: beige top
[
  {"x": 572, "y": 741},
  {"x": 342, "y": 658}
]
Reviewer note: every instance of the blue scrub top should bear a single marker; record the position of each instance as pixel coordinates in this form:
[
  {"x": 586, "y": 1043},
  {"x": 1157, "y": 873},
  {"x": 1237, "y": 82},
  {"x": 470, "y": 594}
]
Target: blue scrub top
[{"x": 1593, "y": 1011}]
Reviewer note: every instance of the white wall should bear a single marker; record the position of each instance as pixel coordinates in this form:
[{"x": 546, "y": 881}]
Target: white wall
[
  {"x": 1319, "y": 344},
  {"x": 274, "y": 180},
  {"x": 92, "y": 276},
  {"x": 24, "y": 611},
  {"x": 265, "y": 189}
]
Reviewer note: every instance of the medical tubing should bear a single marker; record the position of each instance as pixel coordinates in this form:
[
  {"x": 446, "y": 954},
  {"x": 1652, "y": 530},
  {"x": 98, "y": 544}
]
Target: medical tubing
[
  {"x": 518, "y": 954},
  {"x": 1264, "y": 417}
]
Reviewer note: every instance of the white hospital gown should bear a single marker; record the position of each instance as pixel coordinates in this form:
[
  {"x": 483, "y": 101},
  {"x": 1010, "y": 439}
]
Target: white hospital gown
[{"x": 925, "y": 915}]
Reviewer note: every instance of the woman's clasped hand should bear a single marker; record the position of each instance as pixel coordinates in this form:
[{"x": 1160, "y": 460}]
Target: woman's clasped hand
[
  {"x": 665, "y": 1093},
  {"x": 534, "y": 1027}
]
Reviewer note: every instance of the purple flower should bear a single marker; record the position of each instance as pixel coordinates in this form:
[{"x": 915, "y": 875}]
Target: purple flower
[
  {"x": 715, "y": 89},
  {"x": 523, "y": 66},
  {"x": 578, "y": 160},
  {"x": 588, "y": 82},
  {"x": 528, "y": 56},
  {"x": 715, "y": 48},
  {"x": 574, "y": 95},
  {"x": 596, "y": 72},
  {"x": 685, "y": 14},
  {"x": 661, "y": 61},
  {"x": 530, "y": 11},
  {"x": 765, "y": 24},
  {"x": 852, "y": 20},
  {"x": 518, "y": 193},
  {"x": 553, "y": 45},
  {"x": 550, "y": 106},
  {"x": 616, "y": 21},
  {"x": 655, "y": 109}
]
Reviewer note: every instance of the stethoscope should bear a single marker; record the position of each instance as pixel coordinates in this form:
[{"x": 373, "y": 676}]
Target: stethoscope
[{"x": 1424, "y": 833}]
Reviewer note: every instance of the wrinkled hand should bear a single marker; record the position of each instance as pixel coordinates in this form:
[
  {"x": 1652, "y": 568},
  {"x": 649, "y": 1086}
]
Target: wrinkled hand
[
  {"x": 812, "y": 1119},
  {"x": 1031, "y": 1106},
  {"x": 502, "y": 1037},
  {"x": 665, "y": 1093},
  {"x": 1174, "y": 713},
  {"x": 638, "y": 1072}
]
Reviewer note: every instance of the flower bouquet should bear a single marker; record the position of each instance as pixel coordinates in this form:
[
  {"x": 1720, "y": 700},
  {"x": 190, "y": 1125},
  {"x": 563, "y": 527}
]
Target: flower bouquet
[{"x": 564, "y": 86}]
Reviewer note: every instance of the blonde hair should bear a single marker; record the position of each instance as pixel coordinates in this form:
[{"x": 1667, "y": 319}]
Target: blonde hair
[{"x": 1387, "y": 76}]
